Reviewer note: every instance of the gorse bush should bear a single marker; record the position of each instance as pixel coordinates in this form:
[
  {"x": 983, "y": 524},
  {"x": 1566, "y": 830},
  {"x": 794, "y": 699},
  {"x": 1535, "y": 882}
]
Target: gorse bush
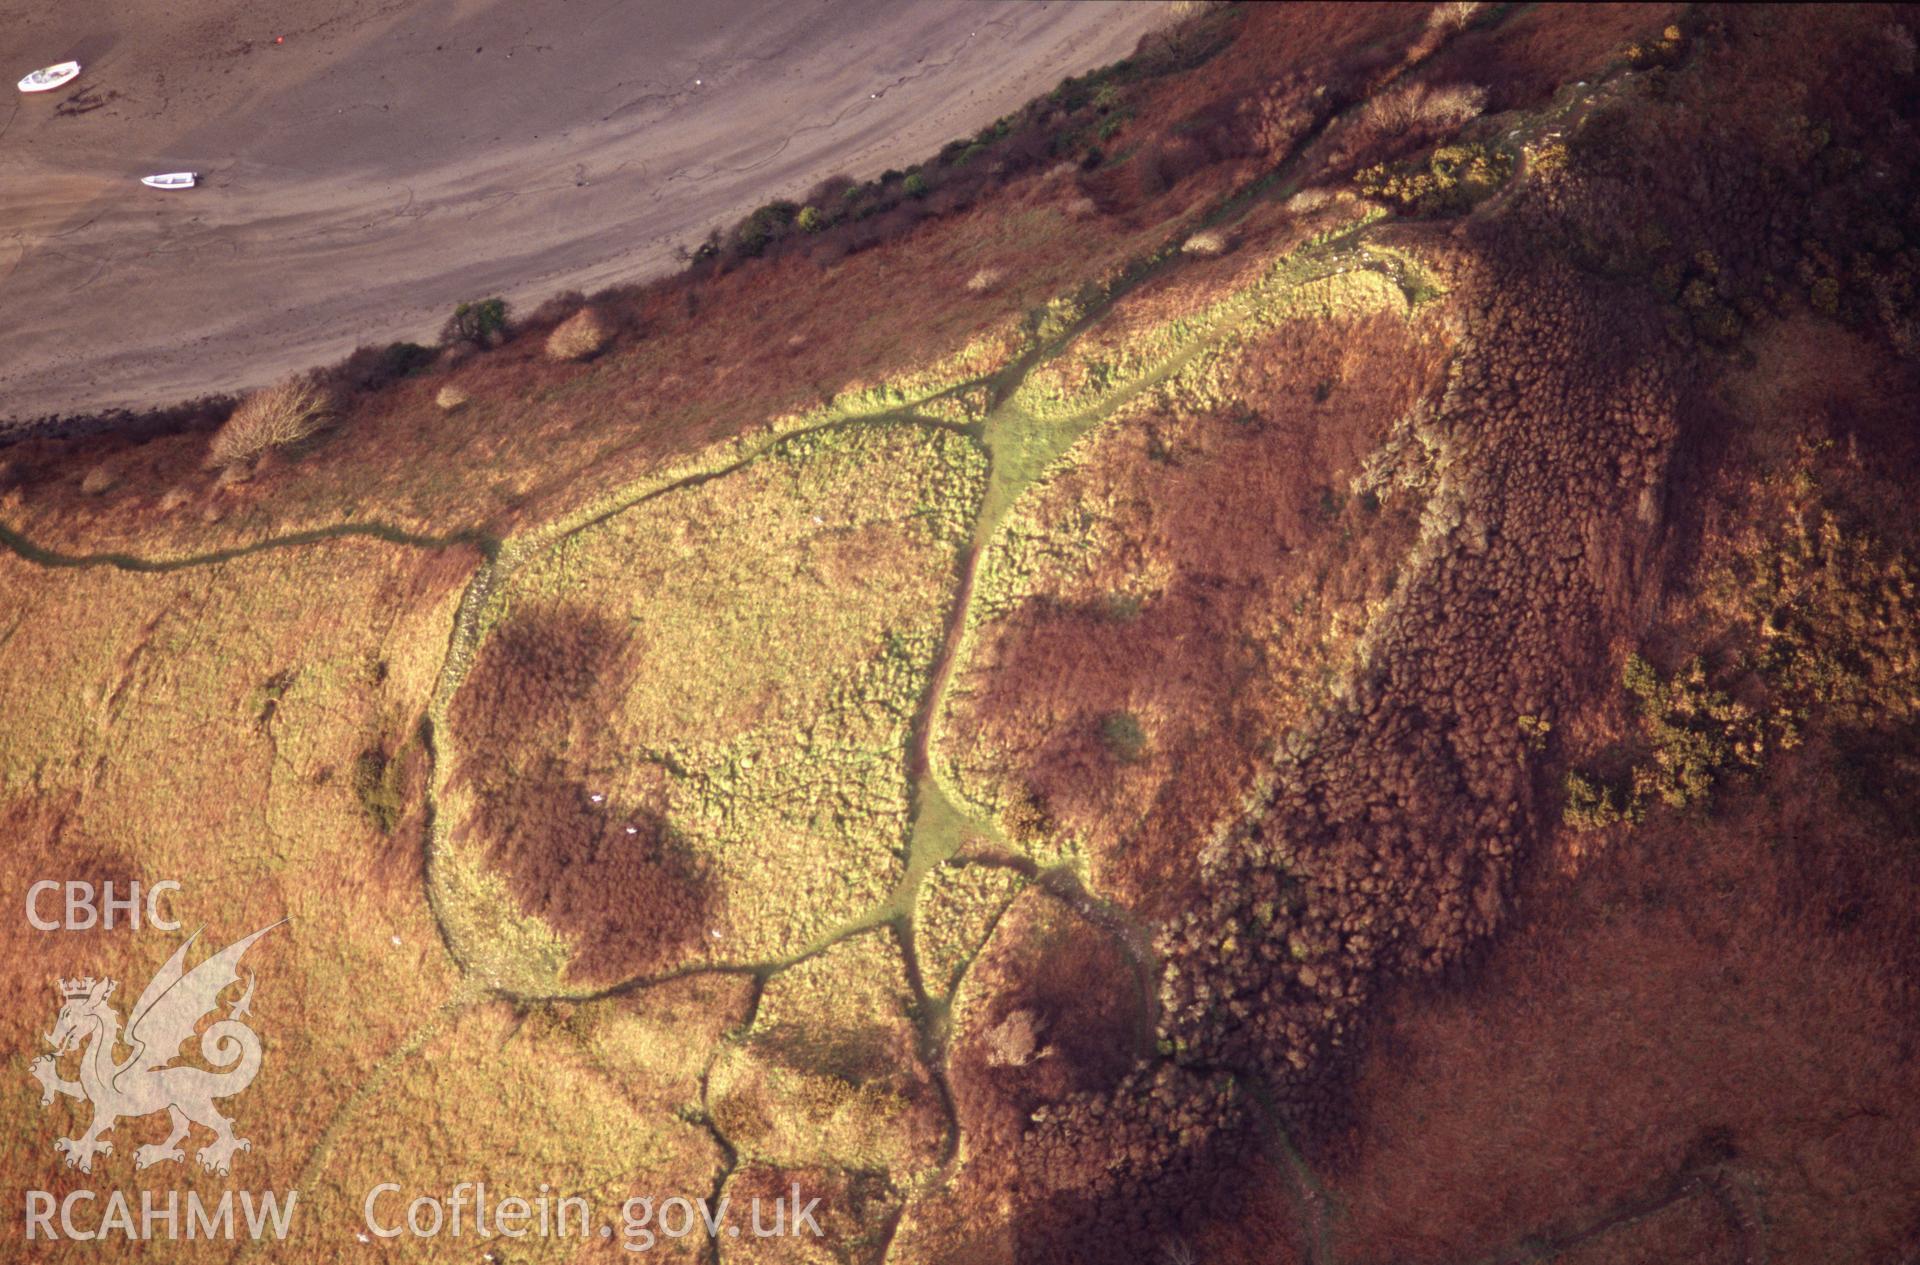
[
  {"x": 1668, "y": 50},
  {"x": 271, "y": 418},
  {"x": 481, "y": 322},
  {"x": 1692, "y": 736},
  {"x": 1592, "y": 804},
  {"x": 371, "y": 368},
  {"x": 1833, "y": 611},
  {"x": 1826, "y": 621},
  {"x": 1454, "y": 178},
  {"x": 752, "y": 236},
  {"x": 401, "y": 359},
  {"x": 1697, "y": 733},
  {"x": 1059, "y": 315}
]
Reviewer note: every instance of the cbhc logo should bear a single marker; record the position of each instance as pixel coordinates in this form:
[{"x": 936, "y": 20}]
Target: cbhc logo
[{"x": 86, "y": 907}]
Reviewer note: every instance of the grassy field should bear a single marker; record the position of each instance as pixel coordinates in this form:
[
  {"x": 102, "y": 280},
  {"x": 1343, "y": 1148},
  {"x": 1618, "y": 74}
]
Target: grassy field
[{"x": 723, "y": 675}]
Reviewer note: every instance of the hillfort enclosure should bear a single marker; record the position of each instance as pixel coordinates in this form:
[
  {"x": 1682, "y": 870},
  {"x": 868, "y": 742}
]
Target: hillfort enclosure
[{"x": 929, "y": 635}]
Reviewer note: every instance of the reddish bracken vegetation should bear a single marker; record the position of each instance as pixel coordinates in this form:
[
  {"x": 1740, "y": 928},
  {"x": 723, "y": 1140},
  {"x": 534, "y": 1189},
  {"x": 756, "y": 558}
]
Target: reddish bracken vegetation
[
  {"x": 853, "y": 1211},
  {"x": 1733, "y": 1002},
  {"x": 45, "y": 843},
  {"x": 615, "y": 883},
  {"x": 610, "y": 876},
  {"x": 1523, "y": 59},
  {"x": 1051, "y": 1027},
  {"x": 1246, "y": 511}
]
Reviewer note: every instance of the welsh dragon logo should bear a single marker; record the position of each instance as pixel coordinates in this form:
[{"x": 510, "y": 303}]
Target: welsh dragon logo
[{"x": 162, "y": 1020}]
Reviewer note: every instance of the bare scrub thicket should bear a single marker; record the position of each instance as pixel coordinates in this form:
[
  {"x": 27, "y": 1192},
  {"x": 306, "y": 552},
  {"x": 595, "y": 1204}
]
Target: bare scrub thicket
[
  {"x": 1398, "y": 111},
  {"x": 272, "y": 417},
  {"x": 585, "y": 333}
]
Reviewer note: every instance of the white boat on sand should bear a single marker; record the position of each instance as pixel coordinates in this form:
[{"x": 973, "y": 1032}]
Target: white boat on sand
[
  {"x": 171, "y": 180},
  {"x": 47, "y": 78}
]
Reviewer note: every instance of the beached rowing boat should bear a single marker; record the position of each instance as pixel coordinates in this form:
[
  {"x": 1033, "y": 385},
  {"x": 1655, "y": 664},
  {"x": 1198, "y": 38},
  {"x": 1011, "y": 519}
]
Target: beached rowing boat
[
  {"x": 47, "y": 78},
  {"x": 170, "y": 180}
]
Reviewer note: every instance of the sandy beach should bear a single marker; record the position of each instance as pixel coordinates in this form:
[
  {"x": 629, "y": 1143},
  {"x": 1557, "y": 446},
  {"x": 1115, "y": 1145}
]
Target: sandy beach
[{"x": 383, "y": 161}]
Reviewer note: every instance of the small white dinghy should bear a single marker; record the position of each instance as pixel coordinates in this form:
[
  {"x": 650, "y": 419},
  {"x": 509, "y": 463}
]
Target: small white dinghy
[
  {"x": 171, "y": 180},
  {"x": 47, "y": 78}
]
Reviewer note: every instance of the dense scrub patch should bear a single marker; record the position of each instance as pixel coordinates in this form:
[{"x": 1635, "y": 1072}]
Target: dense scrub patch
[
  {"x": 1809, "y": 618},
  {"x": 1049, "y": 1027}
]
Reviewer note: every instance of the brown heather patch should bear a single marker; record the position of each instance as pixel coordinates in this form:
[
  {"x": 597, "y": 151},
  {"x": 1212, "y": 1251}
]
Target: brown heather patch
[
  {"x": 1695, "y": 1224},
  {"x": 534, "y": 684},
  {"x": 45, "y": 840},
  {"x": 1267, "y": 1224},
  {"x": 628, "y": 894}
]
